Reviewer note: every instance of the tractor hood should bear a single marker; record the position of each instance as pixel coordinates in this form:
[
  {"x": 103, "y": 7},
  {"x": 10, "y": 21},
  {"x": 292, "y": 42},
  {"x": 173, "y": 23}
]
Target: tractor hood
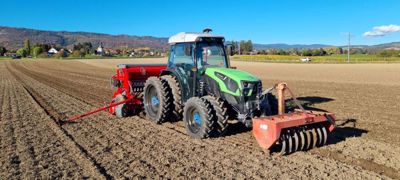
[
  {"x": 234, "y": 74},
  {"x": 232, "y": 81}
]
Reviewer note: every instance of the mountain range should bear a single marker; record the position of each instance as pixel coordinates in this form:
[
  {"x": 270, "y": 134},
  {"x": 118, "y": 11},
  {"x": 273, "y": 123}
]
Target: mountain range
[
  {"x": 12, "y": 38},
  {"x": 392, "y": 45}
]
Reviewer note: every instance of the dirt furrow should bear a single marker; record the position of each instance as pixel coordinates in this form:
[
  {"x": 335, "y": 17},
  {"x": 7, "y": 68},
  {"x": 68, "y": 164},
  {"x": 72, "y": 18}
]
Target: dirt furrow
[
  {"x": 65, "y": 85},
  {"x": 44, "y": 151},
  {"x": 10, "y": 160},
  {"x": 56, "y": 117},
  {"x": 134, "y": 147},
  {"x": 238, "y": 161}
]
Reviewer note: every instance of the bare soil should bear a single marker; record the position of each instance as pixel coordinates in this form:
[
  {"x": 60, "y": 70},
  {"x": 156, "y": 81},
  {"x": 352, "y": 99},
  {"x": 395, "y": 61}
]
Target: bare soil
[{"x": 36, "y": 94}]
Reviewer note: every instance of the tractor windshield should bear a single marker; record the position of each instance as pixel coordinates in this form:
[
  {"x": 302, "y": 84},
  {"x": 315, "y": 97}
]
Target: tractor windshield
[{"x": 210, "y": 54}]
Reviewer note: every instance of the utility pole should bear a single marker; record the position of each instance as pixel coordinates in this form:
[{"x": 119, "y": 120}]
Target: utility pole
[{"x": 348, "y": 48}]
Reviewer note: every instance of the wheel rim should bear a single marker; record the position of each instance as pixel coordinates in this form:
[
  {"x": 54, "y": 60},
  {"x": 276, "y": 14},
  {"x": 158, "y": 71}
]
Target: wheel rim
[
  {"x": 152, "y": 101},
  {"x": 197, "y": 118},
  {"x": 194, "y": 120}
]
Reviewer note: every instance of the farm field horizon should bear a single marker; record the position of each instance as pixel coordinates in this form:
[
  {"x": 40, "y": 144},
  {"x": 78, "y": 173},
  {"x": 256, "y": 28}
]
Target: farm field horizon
[{"x": 35, "y": 94}]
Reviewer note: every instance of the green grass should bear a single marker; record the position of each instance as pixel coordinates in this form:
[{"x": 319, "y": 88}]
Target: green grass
[
  {"x": 341, "y": 58},
  {"x": 4, "y": 58}
]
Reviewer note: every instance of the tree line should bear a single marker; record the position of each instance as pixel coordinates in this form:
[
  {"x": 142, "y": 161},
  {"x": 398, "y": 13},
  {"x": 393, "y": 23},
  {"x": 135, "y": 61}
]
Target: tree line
[
  {"x": 78, "y": 50},
  {"x": 246, "y": 47},
  {"x": 239, "y": 47},
  {"x": 242, "y": 47}
]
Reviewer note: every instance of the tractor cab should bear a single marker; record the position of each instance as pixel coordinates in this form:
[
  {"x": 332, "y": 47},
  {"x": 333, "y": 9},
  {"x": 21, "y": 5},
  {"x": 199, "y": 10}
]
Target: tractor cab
[
  {"x": 190, "y": 55},
  {"x": 197, "y": 50}
]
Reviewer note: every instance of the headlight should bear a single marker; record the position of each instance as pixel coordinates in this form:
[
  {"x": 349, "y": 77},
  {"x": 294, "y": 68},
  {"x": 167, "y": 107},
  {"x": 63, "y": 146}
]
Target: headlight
[
  {"x": 229, "y": 83},
  {"x": 248, "y": 87}
]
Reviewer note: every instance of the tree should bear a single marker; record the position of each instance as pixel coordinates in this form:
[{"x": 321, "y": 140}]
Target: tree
[
  {"x": 85, "y": 47},
  {"x": 235, "y": 47},
  {"x": 389, "y": 53},
  {"x": 27, "y": 45},
  {"x": 36, "y": 50},
  {"x": 340, "y": 50},
  {"x": 246, "y": 47},
  {"x": 61, "y": 54},
  {"x": 77, "y": 53},
  {"x": 22, "y": 52},
  {"x": 294, "y": 52},
  {"x": 332, "y": 50},
  {"x": 2, "y": 50},
  {"x": 43, "y": 55},
  {"x": 282, "y": 52},
  {"x": 43, "y": 47},
  {"x": 306, "y": 52},
  {"x": 249, "y": 46}
]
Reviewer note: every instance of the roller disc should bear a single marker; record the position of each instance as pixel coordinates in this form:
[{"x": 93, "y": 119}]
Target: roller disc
[
  {"x": 320, "y": 136},
  {"x": 296, "y": 140},
  {"x": 314, "y": 137},
  {"x": 309, "y": 138},
  {"x": 325, "y": 134},
  {"x": 290, "y": 142},
  {"x": 283, "y": 142},
  {"x": 302, "y": 140}
]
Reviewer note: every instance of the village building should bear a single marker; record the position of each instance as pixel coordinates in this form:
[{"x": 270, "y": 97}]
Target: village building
[
  {"x": 100, "y": 50},
  {"x": 52, "y": 51}
]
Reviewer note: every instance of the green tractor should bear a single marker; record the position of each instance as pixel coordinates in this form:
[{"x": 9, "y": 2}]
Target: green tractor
[{"x": 200, "y": 86}]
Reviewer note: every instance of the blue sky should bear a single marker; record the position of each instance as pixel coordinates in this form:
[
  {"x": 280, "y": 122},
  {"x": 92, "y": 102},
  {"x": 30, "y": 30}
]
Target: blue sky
[{"x": 279, "y": 21}]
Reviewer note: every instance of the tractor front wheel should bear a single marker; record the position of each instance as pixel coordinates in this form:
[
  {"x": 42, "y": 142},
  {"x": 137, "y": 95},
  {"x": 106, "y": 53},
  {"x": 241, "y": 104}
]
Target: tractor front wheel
[
  {"x": 221, "y": 113},
  {"x": 198, "y": 115}
]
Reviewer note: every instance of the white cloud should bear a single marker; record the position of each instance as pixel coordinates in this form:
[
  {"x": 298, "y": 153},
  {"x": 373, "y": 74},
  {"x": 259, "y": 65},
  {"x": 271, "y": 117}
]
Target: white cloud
[{"x": 382, "y": 30}]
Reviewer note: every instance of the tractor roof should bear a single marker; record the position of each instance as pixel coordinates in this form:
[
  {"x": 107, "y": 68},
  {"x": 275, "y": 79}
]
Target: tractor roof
[{"x": 189, "y": 37}]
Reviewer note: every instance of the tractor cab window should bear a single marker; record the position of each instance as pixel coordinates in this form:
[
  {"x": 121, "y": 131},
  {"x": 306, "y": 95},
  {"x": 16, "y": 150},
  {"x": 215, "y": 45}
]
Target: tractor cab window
[
  {"x": 210, "y": 54},
  {"x": 181, "y": 56}
]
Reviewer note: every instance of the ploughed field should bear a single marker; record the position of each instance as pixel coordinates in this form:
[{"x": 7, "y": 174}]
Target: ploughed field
[{"x": 34, "y": 95}]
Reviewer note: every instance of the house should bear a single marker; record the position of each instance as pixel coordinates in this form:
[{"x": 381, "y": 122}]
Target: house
[
  {"x": 52, "y": 51},
  {"x": 100, "y": 50}
]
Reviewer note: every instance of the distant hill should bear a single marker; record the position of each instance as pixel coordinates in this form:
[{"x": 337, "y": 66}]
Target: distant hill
[
  {"x": 12, "y": 38},
  {"x": 387, "y": 45},
  {"x": 392, "y": 45},
  {"x": 288, "y": 46}
]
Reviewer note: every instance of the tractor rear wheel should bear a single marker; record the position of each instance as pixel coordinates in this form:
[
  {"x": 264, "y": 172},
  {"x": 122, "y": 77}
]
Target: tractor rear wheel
[
  {"x": 157, "y": 99},
  {"x": 221, "y": 113},
  {"x": 121, "y": 110},
  {"x": 198, "y": 115},
  {"x": 176, "y": 96}
]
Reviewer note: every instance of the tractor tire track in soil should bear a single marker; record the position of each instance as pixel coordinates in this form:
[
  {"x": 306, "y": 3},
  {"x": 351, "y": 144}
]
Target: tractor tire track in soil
[
  {"x": 134, "y": 147},
  {"x": 38, "y": 148},
  {"x": 57, "y": 118}
]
